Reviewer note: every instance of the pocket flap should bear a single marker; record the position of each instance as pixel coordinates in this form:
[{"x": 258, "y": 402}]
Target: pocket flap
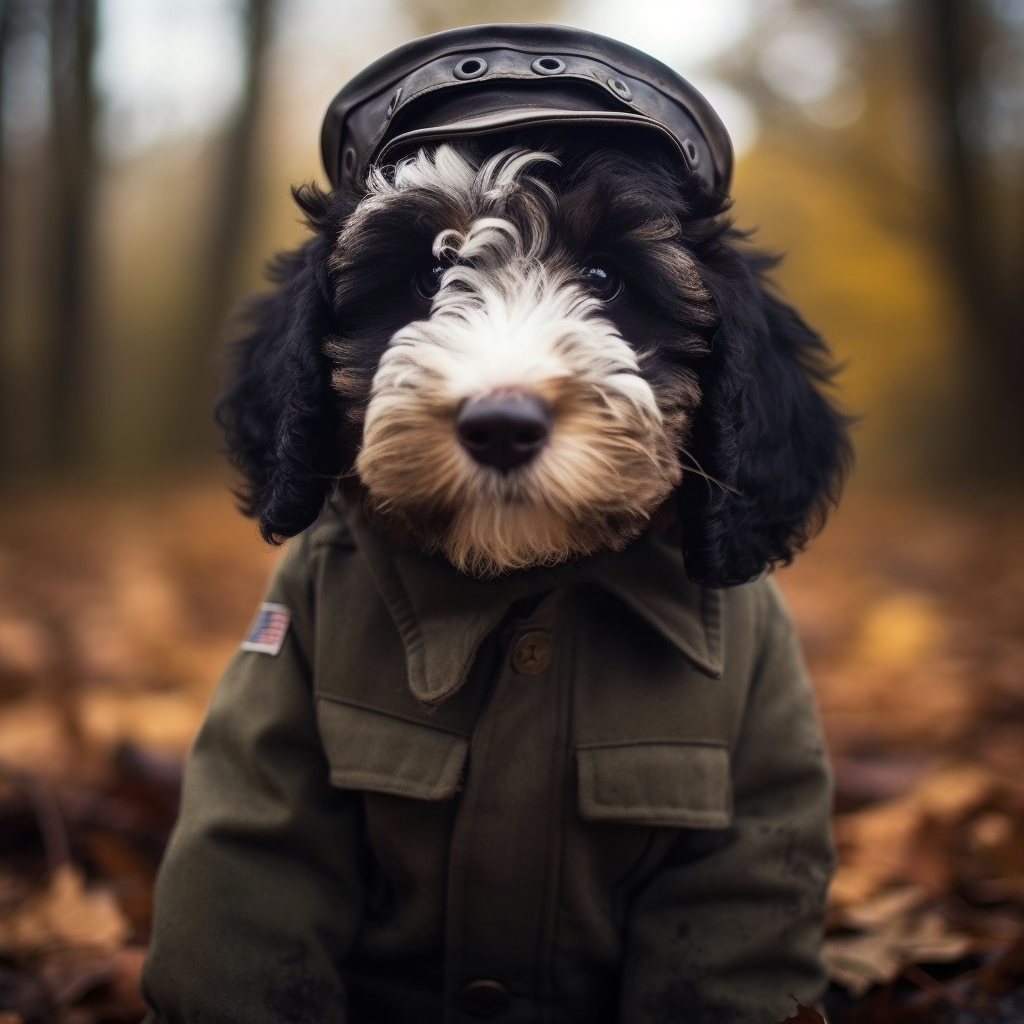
[
  {"x": 679, "y": 785},
  {"x": 370, "y": 750}
]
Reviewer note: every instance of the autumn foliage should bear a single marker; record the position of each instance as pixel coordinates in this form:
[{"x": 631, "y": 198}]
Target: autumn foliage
[{"x": 117, "y": 613}]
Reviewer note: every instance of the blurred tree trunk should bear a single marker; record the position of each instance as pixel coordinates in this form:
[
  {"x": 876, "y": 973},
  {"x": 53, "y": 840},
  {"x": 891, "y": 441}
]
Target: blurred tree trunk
[
  {"x": 67, "y": 370},
  {"x": 6, "y": 421},
  {"x": 955, "y": 34},
  {"x": 13, "y": 27},
  {"x": 5, "y": 35},
  {"x": 234, "y": 208}
]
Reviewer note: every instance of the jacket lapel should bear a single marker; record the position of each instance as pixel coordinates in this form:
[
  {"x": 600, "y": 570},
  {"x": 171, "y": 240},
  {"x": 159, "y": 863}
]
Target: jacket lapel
[{"x": 443, "y": 615}]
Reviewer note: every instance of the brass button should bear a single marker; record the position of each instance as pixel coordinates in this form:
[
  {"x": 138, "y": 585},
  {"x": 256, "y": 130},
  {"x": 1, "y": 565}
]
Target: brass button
[
  {"x": 531, "y": 653},
  {"x": 484, "y": 998}
]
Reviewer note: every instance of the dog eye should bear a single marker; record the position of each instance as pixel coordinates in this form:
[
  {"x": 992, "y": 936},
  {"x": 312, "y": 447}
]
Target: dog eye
[
  {"x": 427, "y": 280},
  {"x": 602, "y": 279}
]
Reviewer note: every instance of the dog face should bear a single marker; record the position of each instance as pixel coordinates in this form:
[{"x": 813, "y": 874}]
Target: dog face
[
  {"x": 516, "y": 357},
  {"x": 513, "y": 421}
]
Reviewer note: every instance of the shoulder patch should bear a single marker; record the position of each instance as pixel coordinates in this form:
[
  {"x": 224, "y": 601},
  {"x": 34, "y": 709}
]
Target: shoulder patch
[{"x": 268, "y": 629}]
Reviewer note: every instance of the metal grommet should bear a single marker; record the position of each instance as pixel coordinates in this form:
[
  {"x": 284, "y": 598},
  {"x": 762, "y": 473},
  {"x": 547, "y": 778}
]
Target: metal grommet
[
  {"x": 348, "y": 161},
  {"x": 469, "y": 68},
  {"x": 393, "y": 105},
  {"x": 619, "y": 87},
  {"x": 691, "y": 152},
  {"x": 548, "y": 66}
]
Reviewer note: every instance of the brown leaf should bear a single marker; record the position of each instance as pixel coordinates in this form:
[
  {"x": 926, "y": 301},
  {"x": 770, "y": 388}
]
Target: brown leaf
[
  {"x": 70, "y": 974},
  {"x": 859, "y": 962},
  {"x": 884, "y": 844},
  {"x": 893, "y": 930},
  {"x": 93, "y": 988},
  {"x": 121, "y": 998},
  {"x": 63, "y": 914}
]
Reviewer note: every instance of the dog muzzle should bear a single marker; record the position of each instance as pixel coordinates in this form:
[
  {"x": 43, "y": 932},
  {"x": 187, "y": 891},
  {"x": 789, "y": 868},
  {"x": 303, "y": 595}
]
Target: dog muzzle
[{"x": 488, "y": 79}]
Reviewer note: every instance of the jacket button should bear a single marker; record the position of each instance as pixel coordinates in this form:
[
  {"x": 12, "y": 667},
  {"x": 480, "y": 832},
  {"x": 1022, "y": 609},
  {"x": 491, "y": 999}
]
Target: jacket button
[
  {"x": 531, "y": 653},
  {"x": 484, "y": 998}
]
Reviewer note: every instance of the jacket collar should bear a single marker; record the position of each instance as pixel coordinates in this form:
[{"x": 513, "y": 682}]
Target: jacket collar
[{"x": 443, "y": 615}]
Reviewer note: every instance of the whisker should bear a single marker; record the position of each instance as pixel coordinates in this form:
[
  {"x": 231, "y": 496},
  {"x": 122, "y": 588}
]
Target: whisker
[{"x": 697, "y": 468}]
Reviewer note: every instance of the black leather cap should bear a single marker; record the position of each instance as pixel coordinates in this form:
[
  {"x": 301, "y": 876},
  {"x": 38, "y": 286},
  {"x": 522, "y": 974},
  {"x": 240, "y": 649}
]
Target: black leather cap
[{"x": 485, "y": 79}]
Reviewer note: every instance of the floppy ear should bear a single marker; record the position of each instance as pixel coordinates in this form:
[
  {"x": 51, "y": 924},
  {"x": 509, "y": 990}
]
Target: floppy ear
[
  {"x": 278, "y": 411},
  {"x": 765, "y": 430}
]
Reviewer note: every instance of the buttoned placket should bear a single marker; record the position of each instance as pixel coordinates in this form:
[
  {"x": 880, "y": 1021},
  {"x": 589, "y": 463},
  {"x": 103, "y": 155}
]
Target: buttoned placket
[{"x": 499, "y": 949}]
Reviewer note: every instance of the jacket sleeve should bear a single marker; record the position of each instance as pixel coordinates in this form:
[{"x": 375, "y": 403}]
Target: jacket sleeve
[
  {"x": 730, "y": 927},
  {"x": 259, "y": 896}
]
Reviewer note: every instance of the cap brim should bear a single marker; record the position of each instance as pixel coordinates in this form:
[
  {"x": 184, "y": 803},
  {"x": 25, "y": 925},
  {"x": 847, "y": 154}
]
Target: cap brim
[{"x": 520, "y": 118}]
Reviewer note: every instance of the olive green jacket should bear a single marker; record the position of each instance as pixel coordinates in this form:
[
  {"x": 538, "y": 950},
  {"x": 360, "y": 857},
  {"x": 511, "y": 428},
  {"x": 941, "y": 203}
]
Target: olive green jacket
[{"x": 588, "y": 794}]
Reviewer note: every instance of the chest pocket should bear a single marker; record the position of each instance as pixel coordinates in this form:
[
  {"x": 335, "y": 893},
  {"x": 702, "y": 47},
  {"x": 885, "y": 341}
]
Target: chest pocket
[
  {"x": 373, "y": 750},
  {"x": 677, "y": 784}
]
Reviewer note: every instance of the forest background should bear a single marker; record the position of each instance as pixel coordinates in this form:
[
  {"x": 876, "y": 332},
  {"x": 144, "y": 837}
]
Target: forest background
[{"x": 146, "y": 151}]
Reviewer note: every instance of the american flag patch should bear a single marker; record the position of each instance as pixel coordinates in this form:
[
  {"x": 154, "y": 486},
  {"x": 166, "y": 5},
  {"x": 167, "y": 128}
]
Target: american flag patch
[{"x": 268, "y": 629}]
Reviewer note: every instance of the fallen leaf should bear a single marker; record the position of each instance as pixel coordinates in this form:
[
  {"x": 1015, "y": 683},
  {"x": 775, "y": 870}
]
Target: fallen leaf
[
  {"x": 65, "y": 913},
  {"x": 888, "y": 933},
  {"x": 882, "y": 910},
  {"x": 893, "y": 843},
  {"x": 859, "y": 962},
  {"x": 121, "y": 998},
  {"x": 73, "y": 973}
]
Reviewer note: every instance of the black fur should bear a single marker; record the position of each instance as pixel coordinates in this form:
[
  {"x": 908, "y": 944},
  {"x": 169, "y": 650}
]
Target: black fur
[
  {"x": 764, "y": 429},
  {"x": 772, "y": 447}
]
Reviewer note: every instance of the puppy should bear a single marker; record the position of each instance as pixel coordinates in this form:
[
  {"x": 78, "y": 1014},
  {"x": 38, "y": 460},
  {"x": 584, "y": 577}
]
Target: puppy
[
  {"x": 514, "y": 736},
  {"x": 594, "y": 296}
]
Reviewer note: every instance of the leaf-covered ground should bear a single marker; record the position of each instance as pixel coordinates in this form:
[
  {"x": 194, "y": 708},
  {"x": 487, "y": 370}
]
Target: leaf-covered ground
[{"x": 117, "y": 611}]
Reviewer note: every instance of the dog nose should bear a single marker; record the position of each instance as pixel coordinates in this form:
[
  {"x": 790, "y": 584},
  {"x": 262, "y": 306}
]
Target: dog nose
[{"x": 504, "y": 430}]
